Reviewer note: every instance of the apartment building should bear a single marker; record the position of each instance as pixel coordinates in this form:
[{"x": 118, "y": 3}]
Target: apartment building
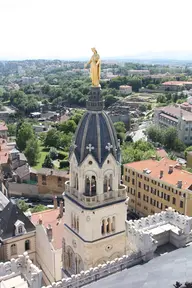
[
  {"x": 175, "y": 116},
  {"x": 155, "y": 185}
]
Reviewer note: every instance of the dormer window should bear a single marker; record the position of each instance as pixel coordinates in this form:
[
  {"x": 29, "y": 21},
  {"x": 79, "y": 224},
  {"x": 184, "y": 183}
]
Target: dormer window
[{"x": 19, "y": 228}]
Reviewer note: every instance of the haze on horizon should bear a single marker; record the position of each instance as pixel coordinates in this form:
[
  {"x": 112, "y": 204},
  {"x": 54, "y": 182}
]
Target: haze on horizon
[{"x": 63, "y": 29}]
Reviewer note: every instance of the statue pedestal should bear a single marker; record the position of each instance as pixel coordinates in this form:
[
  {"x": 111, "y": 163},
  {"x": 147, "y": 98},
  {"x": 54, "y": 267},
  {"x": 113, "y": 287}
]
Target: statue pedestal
[{"x": 95, "y": 101}]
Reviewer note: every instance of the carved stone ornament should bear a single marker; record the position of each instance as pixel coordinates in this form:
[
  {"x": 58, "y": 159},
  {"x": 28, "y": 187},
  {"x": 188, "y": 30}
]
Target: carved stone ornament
[{"x": 88, "y": 218}]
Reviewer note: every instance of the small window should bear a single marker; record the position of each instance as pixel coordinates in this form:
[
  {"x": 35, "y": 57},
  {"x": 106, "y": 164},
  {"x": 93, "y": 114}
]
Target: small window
[
  {"x": 139, "y": 194},
  {"x": 174, "y": 201},
  {"x": 90, "y": 162},
  {"x": 20, "y": 229},
  {"x": 181, "y": 204},
  {"x": 27, "y": 245}
]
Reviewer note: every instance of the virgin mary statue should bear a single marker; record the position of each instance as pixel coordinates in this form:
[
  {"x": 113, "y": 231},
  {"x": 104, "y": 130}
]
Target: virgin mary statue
[{"x": 95, "y": 64}]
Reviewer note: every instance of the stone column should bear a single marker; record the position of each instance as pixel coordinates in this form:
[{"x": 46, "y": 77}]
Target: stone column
[
  {"x": 105, "y": 226},
  {"x": 110, "y": 224}
]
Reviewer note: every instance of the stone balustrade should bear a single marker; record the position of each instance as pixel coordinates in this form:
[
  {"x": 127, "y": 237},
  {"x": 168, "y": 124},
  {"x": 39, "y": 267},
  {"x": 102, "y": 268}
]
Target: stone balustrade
[
  {"x": 96, "y": 200},
  {"x": 94, "y": 274},
  {"x": 21, "y": 266},
  {"x": 140, "y": 237}
]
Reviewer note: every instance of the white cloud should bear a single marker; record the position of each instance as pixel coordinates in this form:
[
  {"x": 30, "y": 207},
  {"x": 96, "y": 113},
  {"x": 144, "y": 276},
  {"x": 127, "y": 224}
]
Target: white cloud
[{"x": 69, "y": 28}]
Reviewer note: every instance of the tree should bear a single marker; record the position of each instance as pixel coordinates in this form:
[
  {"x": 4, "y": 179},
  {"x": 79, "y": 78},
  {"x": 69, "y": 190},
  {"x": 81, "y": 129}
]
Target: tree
[
  {"x": 38, "y": 208},
  {"x": 142, "y": 107},
  {"x": 32, "y": 151},
  {"x": 52, "y": 138},
  {"x": 155, "y": 134},
  {"x": 47, "y": 162},
  {"x": 68, "y": 126},
  {"x": 11, "y": 129},
  {"x": 170, "y": 136},
  {"x": 120, "y": 127},
  {"x": 188, "y": 149},
  {"x": 53, "y": 153},
  {"x": 25, "y": 133},
  {"x": 23, "y": 206}
]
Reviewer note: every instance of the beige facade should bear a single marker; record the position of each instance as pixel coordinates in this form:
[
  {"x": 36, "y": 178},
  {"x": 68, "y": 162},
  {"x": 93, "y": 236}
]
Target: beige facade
[
  {"x": 94, "y": 225},
  {"x": 49, "y": 235},
  {"x": 15, "y": 246},
  {"x": 174, "y": 116}
]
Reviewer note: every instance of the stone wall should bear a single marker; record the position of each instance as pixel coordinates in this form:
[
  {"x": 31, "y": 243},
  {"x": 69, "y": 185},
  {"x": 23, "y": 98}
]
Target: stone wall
[
  {"x": 94, "y": 274},
  {"x": 21, "y": 266}
]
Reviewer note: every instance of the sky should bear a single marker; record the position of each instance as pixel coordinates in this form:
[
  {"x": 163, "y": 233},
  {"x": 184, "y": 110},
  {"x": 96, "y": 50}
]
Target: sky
[{"x": 62, "y": 29}]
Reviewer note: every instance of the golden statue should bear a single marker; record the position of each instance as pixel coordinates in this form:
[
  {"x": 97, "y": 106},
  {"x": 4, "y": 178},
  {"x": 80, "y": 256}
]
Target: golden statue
[{"x": 95, "y": 63}]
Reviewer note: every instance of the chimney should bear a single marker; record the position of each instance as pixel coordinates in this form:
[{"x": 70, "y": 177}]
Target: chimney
[
  {"x": 49, "y": 232},
  {"x": 179, "y": 184},
  {"x": 40, "y": 220},
  {"x": 55, "y": 202},
  {"x": 61, "y": 209},
  {"x": 161, "y": 173},
  {"x": 170, "y": 169}
]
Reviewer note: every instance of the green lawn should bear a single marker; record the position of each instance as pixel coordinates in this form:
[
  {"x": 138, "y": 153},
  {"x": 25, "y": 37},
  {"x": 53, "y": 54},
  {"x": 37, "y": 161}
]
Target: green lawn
[
  {"x": 43, "y": 153},
  {"x": 41, "y": 160}
]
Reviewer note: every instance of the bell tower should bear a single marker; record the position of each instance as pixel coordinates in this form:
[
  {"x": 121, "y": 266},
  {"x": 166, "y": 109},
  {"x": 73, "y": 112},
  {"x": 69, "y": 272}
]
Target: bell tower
[{"x": 95, "y": 210}]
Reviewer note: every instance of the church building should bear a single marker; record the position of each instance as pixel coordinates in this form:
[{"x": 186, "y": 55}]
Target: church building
[{"x": 95, "y": 210}]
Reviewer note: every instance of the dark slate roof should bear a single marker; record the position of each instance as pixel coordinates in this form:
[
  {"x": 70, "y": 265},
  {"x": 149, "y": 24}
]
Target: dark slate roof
[
  {"x": 160, "y": 272},
  {"x": 10, "y": 214},
  {"x": 95, "y": 128}
]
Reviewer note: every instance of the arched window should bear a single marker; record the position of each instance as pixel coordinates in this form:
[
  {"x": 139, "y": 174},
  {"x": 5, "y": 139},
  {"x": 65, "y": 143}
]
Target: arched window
[
  {"x": 76, "y": 181},
  {"x": 93, "y": 186},
  {"x": 27, "y": 245},
  {"x": 105, "y": 184},
  {"x": 13, "y": 249},
  {"x": 87, "y": 186},
  {"x": 113, "y": 224},
  {"x": 77, "y": 224},
  {"x": 69, "y": 259},
  {"x": 103, "y": 227}
]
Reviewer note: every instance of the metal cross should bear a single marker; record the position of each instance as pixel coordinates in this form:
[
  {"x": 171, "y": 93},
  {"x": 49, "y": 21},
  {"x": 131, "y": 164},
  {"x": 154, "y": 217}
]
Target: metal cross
[
  {"x": 109, "y": 146},
  {"x": 90, "y": 148}
]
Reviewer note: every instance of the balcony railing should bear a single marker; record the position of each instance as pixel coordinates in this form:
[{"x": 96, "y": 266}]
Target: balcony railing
[{"x": 96, "y": 200}]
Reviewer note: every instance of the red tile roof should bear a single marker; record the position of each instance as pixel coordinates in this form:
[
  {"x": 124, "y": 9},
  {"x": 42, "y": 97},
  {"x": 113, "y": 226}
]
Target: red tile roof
[
  {"x": 177, "y": 83},
  {"x": 3, "y": 127},
  {"x": 50, "y": 217},
  {"x": 161, "y": 153},
  {"x": 156, "y": 166},
  {"x": 4, "y": 151}
]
